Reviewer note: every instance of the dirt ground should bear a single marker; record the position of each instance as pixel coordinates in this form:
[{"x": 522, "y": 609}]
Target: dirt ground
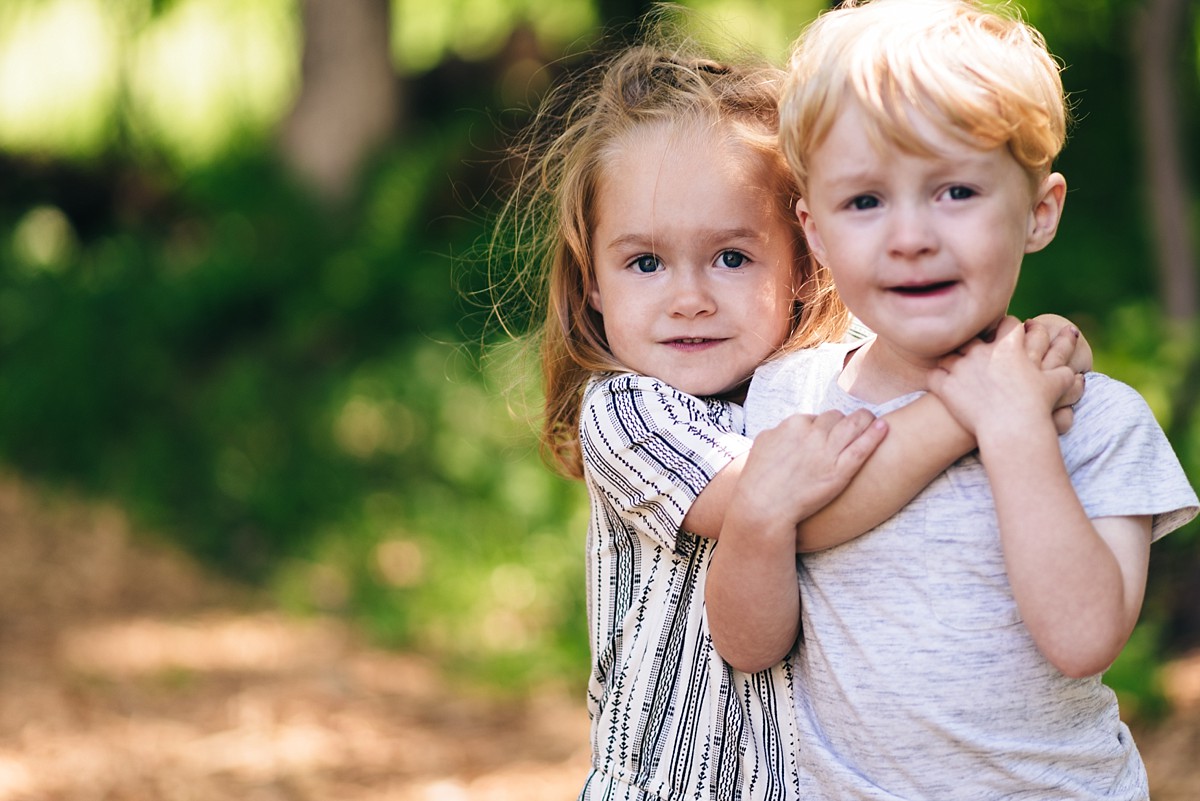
[{"x": 127, "y": 674}]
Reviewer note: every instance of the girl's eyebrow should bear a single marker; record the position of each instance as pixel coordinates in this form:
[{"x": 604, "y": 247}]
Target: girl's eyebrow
[{"x": 739, "y": 234}]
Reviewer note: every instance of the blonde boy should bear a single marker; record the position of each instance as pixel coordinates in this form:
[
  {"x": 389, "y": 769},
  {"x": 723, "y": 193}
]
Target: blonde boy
[{"x": 953, "y": 652}]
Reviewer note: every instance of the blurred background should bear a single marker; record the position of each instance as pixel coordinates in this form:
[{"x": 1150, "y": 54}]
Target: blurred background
[{"x": 251, "y": 393}]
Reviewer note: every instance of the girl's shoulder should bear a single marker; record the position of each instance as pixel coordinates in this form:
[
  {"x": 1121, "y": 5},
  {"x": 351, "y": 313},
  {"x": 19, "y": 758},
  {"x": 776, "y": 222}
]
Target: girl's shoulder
[
  {"x": 630, "y": 385},
  {"x": 627, "y": 400}
]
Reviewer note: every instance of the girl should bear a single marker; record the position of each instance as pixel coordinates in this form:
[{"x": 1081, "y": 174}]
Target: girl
[{"x": 659, "y": 205}]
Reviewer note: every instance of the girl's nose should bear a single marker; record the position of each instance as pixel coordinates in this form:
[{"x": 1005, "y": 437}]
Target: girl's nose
[{"x": 691, "y": 295}]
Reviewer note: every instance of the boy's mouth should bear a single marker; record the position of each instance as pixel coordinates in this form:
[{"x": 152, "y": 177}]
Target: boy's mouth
[{"x": 920, "y": 290}]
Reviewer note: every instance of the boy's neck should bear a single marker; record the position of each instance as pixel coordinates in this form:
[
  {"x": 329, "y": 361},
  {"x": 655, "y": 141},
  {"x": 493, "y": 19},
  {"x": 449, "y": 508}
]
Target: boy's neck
[{"x": 876, "y": 373}]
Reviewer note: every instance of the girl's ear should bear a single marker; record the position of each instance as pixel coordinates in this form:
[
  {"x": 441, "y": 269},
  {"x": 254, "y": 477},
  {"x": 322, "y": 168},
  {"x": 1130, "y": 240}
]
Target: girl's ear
[
  {"x": 594, "y": 300},
  {"x": 1048, "y": 200},
  {"x": 811, "y": 235}
]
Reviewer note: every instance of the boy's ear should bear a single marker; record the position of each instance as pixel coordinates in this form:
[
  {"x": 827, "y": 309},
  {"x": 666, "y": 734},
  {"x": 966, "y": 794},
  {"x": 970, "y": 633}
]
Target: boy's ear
[
  {"x": 813, "y": 237},
  {"x": 1048, "y": 200}
]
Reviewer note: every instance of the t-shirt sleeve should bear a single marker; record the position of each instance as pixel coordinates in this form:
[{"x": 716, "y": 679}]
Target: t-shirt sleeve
[
  {"x": 1121, "y": 462},
  {"x": 651, "y": 449},
  {"x": 794, "y": 383}
]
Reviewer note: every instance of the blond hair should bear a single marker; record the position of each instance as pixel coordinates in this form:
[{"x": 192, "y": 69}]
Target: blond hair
[
  {"x": 551, "y": 212},
  {"x": 981, "y": 74}
]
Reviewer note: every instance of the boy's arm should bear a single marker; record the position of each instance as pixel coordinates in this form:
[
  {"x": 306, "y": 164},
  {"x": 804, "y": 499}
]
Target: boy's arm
[{"x": 1078, "y": 583}]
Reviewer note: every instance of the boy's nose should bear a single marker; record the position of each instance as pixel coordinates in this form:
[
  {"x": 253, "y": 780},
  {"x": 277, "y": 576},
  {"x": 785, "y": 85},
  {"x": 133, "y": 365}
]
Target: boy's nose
[{"x": 911, "y": 233}]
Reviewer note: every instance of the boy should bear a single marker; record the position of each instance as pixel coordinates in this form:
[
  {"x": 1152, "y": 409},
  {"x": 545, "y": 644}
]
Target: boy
[{"x": 953, "y": 652}]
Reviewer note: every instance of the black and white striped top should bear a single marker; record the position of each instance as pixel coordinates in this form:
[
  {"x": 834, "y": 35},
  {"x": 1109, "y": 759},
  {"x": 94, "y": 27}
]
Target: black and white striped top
[{"x": 669, "y": 718}]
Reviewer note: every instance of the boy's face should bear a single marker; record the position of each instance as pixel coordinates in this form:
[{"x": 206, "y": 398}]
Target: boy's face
[
  {"x": 924, "y": 249},
  {"x": 693, "y": 260}
]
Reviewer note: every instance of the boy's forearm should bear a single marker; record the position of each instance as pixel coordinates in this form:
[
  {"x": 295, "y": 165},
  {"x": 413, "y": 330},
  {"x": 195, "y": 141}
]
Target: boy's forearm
[
  {"x": 923, "y": 440},
  {"x": 1073, "y": 594},
  {"x": 752, "y": 595}
]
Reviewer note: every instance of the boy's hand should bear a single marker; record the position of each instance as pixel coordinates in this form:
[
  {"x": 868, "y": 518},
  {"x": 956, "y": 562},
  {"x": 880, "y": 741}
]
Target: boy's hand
[
  {"x": 803, "y": 463},
  {"x": 997, "y": 387}
]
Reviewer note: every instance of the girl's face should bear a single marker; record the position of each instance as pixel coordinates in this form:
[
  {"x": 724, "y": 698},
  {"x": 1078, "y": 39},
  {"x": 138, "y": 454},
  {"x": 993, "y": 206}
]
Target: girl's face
[{"x": 694, "y": 264}]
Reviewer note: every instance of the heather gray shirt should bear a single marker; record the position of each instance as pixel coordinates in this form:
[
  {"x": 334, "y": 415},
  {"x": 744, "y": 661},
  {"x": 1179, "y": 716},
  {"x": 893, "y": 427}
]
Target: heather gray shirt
[{"x": 916, "y": 677}]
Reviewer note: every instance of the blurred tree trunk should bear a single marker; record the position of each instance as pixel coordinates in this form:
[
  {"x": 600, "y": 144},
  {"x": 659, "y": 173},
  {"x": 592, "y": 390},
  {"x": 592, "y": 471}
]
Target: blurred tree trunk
[
  {"x": 1159, "y": 35},
  {"x": 349, "y": 100},
  {"x": 621, "y": 12}
]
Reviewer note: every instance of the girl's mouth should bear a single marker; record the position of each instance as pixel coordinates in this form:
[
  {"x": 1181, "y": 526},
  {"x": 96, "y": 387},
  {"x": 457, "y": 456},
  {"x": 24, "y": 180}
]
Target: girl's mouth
[{"x": 692, "y": 343}]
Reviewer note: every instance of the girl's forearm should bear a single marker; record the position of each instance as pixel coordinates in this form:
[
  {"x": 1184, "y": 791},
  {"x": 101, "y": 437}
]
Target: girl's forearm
[
  {"x": 923, "y": 440},
  {"x": 752, "y": 594}
]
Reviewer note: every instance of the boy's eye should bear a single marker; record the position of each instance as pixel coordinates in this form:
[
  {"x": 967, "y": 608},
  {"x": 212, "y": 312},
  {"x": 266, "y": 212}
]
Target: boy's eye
[
  {"x": 732, "y": 258},
  {"x": 960, "y": 192},
  {"x": 646, "y": 263},
  {"x": 864, "y": 202}
]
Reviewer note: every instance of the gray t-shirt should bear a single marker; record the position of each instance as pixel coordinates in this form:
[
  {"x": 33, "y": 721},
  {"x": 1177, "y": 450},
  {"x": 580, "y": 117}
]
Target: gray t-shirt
[{"x": 915, "y": 677}]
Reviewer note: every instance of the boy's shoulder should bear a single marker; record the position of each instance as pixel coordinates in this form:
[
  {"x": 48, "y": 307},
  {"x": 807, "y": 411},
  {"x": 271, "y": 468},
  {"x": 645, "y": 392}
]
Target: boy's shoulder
[
  {"x": 798, "y": 381},
  {"x": 1109, "y": 401},
  {"x": 826, "y": 360},
  {"x": 1120, "y": 460}
]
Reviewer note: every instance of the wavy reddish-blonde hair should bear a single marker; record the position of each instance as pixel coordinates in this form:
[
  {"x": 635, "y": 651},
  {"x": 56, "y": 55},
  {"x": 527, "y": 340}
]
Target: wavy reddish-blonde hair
[{"x": 548, "y": 220}]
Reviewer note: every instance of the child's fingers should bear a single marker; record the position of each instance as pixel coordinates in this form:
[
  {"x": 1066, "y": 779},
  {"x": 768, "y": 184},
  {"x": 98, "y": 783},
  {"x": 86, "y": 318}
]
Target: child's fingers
[
  {"x": 1009, "y": 326},
  {"x": 848, "y": 428},
  {"x": 1037, "y": 342},
  {"x": 1064, "y": 379},
  {"x": 1064, "y": 413},
  {"x": 1061, "y": 348},
  {"x": 1072, "y": 394},
  {"x": 859, "y": 449}
]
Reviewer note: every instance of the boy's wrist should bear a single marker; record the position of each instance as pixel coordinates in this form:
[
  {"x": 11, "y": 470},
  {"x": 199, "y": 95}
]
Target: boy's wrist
[{"x": 1015, "y": 434}]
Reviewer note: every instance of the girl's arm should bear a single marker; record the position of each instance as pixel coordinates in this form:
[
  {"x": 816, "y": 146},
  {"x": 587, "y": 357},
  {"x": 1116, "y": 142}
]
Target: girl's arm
[
  {"x": 923, "y": 440},
  {"x": 1078, "y": 583},
  {"x": 795, "y": 468},
  {"x": 751, "y": 591}
]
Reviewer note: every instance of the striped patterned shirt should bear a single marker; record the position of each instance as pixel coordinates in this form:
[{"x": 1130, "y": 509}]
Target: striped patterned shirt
[{"x": 670, "y": 720}]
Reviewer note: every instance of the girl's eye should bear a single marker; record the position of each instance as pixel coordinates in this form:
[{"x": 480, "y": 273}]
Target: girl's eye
[
  {"x": 960, "y": 192},
  {"x": 864, "y": 202},
  {"x": 732, "y": 258},
  {"x": 647, "y": 263}
]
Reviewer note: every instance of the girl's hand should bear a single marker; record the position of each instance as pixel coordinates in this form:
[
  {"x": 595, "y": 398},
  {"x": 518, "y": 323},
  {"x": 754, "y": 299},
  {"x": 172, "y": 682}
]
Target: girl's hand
[
  {"x": 995, "y": 387},
  {"x": 1066, "y": 340},
  {"x": 805, "y": 462},
  {"x": 1054, "y": 342}
]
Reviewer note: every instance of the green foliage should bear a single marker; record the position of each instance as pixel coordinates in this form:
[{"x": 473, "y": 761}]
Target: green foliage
[
  {"x": 284, "y": 390},
  {"x": 1136, "y": 676}
]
